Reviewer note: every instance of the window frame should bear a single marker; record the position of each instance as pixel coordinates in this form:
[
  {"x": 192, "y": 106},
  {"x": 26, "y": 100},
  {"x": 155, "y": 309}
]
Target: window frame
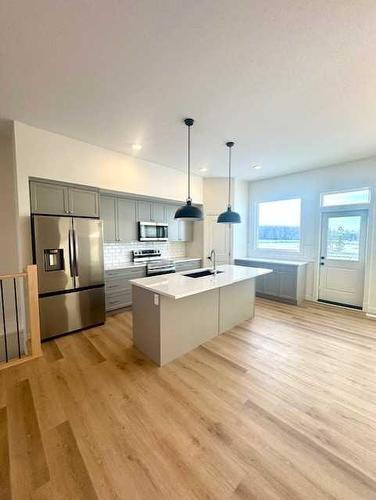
[
  {"x": 276, "y": 251},
  {"x": 348, "y": 206}
]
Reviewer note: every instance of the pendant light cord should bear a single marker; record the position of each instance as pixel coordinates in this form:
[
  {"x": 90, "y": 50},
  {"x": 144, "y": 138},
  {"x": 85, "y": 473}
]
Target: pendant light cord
[
  {"x": 189, "y": 162},
  {"x": 229, "y": 177}
]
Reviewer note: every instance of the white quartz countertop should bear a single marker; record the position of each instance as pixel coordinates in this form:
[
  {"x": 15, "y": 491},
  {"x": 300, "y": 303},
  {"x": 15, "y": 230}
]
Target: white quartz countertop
[
  {"x": 275, "y": 261},
  {"x": 126, "y": 265},
  {"x": 178, "y": 285}
]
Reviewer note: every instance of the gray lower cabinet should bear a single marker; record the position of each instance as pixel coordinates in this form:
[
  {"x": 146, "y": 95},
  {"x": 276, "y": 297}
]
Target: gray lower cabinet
[
  {"x": 118, "y": 288},
  {"x": 286, "y": 283},
  {"x": 60, "y": 199}
]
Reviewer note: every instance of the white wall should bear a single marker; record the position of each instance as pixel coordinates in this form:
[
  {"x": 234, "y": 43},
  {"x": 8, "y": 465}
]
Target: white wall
[
  {"x": 241, "y": 205},
  {"x": 9, "y": 246},
  {"x": 308, "y": 186},
  {"x": 8, "y": 207},
  {"x": 52, "y": 156}
]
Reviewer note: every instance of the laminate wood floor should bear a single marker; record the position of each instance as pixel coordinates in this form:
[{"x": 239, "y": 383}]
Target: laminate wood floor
[{"x": 283, "y": 406}]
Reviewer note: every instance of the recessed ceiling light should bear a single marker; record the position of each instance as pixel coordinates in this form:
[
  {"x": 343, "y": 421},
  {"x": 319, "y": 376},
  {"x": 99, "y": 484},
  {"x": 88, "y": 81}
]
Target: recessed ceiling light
[
  {"x": 256, "y": 167},
  {"x": 136, "y": 147},
  {"x": 203, "y": 169}
]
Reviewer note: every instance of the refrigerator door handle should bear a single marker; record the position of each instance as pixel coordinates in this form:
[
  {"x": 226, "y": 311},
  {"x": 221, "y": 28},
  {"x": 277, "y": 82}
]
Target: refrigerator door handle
[
  {"x": 74, "y": 240},
  {"x": 71, "y": 253}
]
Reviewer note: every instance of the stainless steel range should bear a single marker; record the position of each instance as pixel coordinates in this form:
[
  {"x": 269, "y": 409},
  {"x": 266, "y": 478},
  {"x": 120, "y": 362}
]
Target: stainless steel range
[{"x": 155, "y": 265}]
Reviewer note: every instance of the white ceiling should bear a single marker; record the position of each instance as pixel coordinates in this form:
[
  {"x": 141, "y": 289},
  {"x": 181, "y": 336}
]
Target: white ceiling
[{"x": 292, "y": 82}]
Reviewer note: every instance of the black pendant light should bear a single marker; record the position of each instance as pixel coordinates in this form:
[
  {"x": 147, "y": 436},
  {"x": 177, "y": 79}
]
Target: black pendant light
[
  {"x": 188, "y": 211},
  {"x": 229, "y": 217}
]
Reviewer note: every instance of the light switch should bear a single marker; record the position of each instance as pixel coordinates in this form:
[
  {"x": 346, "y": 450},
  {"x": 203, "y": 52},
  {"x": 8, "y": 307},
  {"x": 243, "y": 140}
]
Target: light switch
[{"x": 156, "y": 299}]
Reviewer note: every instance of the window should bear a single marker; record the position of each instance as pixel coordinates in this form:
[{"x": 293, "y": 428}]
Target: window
[
  {"x": 278, "y": 225},
  {"x": 360, "y": 196},
  {"x": 343, "y": 237}
]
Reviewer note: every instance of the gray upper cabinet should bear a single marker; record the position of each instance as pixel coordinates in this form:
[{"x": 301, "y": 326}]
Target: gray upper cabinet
[
  {"x": 119, "y": 219},
  {"x": 158, "y": 212},
  {"x": 126, "y": 220},
  {"x": 59, "y": 199},
  {"x": 49, "y": 198},
  {"x": 83, "y": 202},
  {"x": 177, "y": 230},
  {"x": 185, "y": 231},
  {"x": 150, "y": 211},
  {"x": 108, "y": 215},
  {"x": 144, "y": 211},
  {"x": 173, "y": 224}
]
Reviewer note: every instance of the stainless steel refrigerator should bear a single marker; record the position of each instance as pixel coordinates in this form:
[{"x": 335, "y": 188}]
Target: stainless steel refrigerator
[{"x": 69, "y": 254}]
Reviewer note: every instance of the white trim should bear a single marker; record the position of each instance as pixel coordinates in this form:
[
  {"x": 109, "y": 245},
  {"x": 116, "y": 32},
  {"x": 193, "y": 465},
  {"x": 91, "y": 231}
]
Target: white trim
[
  {"x": 345, "y": 208},
  {"x": 371, "y": 316},
  {"x": 352, "y": 190},
  {"x": 350, "y": 211}
]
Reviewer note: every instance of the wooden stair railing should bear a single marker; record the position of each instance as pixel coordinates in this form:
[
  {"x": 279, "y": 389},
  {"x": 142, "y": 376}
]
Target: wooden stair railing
[{"x": 29, "y": 346}]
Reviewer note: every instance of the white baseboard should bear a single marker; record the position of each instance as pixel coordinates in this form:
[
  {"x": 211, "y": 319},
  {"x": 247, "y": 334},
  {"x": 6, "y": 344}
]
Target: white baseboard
[
  {"x": 371, "y": 312},
  {"x": 310, "y": 298}
]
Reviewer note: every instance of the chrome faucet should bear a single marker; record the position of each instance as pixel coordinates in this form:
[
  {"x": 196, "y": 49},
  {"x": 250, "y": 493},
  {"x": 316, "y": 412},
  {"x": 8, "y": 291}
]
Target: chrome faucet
[{"x": 213, "y": 260}]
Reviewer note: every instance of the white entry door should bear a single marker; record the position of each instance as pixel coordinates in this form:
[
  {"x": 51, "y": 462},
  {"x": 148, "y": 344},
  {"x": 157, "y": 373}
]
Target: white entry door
[
  {"x": 218, "y": 237},
  {"x": 342, "y": 261}
]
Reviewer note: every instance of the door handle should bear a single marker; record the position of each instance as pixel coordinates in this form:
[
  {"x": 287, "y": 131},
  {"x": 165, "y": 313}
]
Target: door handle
[
  {"x": 322, "y": 257},
  {"x": 71, "y": 253},
  {"x": 75, "y": 252},
  {"x": 322, "y": 263}
]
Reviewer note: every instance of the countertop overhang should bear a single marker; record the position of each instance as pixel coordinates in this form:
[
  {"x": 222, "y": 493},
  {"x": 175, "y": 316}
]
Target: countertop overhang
[{"x": 178, "y": 286}]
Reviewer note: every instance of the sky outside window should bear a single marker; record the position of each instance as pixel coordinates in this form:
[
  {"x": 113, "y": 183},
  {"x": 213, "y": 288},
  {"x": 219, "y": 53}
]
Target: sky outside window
[{"x": 278, "y": 225}]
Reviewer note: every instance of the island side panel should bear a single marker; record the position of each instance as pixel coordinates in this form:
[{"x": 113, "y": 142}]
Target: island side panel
[
  {"x": 236, "y": 304},
  {"x": 146, "y": 323},
  {"x": 187, "y": 323}
]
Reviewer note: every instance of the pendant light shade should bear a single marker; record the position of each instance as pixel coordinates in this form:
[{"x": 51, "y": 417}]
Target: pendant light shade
[
  {"x": 188, "y": 211},
  {"x": 229, "y": 217}
]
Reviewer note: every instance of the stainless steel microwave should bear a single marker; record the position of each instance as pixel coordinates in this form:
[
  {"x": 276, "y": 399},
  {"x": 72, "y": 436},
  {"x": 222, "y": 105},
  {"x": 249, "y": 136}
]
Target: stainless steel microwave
[{"x": 152, "y": 231}]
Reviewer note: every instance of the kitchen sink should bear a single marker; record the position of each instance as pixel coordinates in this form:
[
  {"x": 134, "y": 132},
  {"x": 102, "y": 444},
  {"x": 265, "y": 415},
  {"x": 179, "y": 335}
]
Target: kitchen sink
[{"x": 201, "y": 274}]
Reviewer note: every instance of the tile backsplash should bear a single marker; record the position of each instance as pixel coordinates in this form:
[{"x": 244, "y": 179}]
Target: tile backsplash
[{"x": 118, "y": 253}]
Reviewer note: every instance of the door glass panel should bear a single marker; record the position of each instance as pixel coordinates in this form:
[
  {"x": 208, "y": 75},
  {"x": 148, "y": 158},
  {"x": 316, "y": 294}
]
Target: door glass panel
[{"x": 343, "y": 238}]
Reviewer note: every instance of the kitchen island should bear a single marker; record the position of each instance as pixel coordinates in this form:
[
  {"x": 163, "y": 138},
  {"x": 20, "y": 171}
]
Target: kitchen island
[{"x": 175, "y": 313}]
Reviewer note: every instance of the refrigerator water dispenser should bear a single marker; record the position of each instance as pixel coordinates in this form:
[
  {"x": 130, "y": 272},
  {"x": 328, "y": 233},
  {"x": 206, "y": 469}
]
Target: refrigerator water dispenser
[{"x": 54, "y": 259}]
